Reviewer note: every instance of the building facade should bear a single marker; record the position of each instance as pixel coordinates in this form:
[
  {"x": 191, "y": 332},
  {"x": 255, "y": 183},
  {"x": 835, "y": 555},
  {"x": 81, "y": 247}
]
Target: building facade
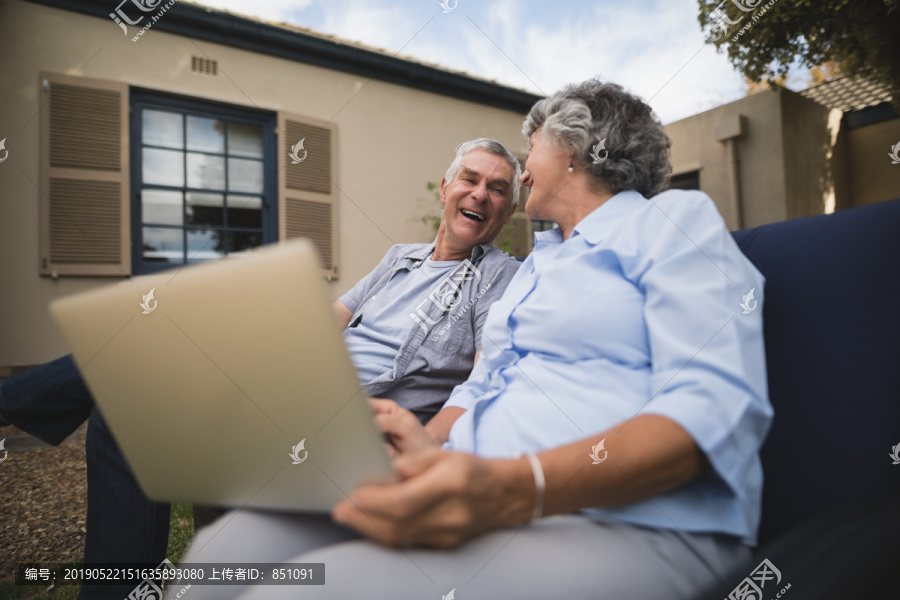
[
  {"x": 139, "y": 142},
  {"x": 780, "y": 155}
]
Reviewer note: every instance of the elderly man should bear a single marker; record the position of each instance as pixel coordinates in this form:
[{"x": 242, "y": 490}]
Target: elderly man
[{"x": 412, "y": 326}]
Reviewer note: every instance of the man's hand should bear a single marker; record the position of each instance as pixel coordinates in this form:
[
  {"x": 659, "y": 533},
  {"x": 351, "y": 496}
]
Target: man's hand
[
  {"x": 402, "y": 427},
  {"x": 442, "y": 500}
]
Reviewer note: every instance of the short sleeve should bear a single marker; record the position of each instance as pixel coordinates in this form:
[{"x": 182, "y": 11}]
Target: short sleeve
[
  {"x": 706, "y": 348},
  {"x": 354, "y": 297}
]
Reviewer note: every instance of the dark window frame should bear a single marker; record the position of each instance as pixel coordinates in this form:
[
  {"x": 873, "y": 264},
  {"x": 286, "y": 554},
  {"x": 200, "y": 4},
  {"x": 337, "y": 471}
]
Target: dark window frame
[
  {"x": 538, "y": 225},
  {"x": 141, "y": 99},
  {"x": 688, "y": 180}
]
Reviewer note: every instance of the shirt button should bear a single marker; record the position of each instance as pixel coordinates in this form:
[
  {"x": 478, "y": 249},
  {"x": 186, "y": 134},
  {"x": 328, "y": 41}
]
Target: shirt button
[
  {"x": 372, "y": 298},
  {"x": 417, "y": 263}
]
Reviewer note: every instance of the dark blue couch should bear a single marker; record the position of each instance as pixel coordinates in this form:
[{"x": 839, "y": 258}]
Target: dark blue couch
[{"x": 831, "y": 509}]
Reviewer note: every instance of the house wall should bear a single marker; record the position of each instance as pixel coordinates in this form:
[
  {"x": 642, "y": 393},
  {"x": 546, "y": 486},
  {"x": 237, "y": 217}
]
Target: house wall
[
  {"x": 872, "y": 176},
  {"x": 796, "y": 158},
  {"x": 391, "y": 140},
  {"x": 810, "y": 136},
  {"x": 760, "y": 154}
]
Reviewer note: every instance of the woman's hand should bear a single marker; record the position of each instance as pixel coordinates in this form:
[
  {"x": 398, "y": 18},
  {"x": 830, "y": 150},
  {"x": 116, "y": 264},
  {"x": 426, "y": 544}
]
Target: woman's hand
[
  {"x": 403, "y": 429},
  {"x": 442, "y": 500}
]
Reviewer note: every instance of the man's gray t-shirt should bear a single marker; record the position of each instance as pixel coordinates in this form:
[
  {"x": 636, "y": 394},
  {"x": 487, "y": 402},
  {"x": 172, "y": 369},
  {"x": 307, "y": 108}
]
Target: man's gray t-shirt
[
  {"x": 444, "y": 325},
  {"x": 375, "y": 340}
]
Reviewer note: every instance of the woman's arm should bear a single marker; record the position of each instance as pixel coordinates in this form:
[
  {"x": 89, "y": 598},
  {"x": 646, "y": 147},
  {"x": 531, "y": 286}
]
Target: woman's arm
[
  {"x": 445, "y": 498},
  {"x": 341, "y": 313},
  {"x": 645, "y": 456}
]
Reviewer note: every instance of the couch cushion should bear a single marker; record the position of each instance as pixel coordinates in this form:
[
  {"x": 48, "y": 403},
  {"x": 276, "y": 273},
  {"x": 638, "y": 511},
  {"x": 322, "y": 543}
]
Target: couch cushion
[{"x": 832, "y": 329}]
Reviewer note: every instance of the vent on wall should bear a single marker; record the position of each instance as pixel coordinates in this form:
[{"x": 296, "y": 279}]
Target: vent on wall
[{"x": 204, "y": 65}]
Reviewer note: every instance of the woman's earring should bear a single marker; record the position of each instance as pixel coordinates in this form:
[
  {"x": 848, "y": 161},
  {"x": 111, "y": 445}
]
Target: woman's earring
[{"x": 571, "y": 168}]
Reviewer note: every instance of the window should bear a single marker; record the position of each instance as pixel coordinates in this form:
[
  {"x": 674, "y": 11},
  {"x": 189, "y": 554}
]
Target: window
[
  {"x": 685, "y": 181},
  {"x": 204, "y": 181},
  {"x": 168, "y": 181},
  {"x": 542, "y": 225}
]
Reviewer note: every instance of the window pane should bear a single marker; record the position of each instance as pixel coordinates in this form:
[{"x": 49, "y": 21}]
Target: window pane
[
  {"x": 245, "y": 140},
  {"x": 205, "y": 245},
  {"x": 163, "y": 167},
  {"x": 205, "y": 171},
  {"x": 204, "y": 209},
  {"x": 245, "y": 175},
  {"x": 163, "y": 245},
  {"x": 685, "y": 181},
  {"x": 245, "y": 211},
  {"x": 243, "y": 240},
  {"x": 542, "y": 225},
  {"x": 205, "y": 135},
  {"x": 162, "y": 128},
  {"x": 161, "y": 206}
]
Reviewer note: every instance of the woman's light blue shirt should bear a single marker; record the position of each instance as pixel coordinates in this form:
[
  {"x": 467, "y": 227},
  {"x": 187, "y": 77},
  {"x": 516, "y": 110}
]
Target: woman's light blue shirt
[{"x": 643, "y": 310}]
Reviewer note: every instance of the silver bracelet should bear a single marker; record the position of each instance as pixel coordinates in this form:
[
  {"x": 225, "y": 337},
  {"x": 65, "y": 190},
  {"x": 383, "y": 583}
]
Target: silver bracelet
[{"x": 540, "y": 486}]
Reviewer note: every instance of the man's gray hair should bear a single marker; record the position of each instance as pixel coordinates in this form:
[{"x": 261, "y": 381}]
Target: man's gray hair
[
  {"x": 495, "y": 148},
  {"x": 580, "y": 115}
]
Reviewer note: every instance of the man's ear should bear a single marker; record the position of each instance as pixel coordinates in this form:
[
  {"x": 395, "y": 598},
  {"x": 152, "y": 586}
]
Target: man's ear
[{"x": 443, "y": 187}]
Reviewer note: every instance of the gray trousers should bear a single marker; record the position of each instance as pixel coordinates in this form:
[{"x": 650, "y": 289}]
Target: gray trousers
[{"x": 568, "y": 556}]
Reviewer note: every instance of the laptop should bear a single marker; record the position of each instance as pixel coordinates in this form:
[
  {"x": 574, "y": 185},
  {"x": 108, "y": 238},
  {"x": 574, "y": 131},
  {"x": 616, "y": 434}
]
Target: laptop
[{"x": 228, "y": 383}]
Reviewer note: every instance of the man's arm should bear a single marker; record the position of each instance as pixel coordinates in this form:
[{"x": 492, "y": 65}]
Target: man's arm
[{"x": 341, "y": 313}]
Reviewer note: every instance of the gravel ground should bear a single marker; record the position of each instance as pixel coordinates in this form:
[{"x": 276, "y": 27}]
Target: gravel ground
[{"x": 43, "y": 491}]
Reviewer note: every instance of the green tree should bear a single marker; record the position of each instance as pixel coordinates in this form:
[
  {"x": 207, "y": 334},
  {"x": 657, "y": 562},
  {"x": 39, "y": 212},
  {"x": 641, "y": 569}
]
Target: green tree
[{"x": 764, "y": 37}]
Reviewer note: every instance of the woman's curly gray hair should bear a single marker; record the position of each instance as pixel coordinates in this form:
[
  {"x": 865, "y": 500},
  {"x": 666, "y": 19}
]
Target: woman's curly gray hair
[{"x": 581, "y": 115}]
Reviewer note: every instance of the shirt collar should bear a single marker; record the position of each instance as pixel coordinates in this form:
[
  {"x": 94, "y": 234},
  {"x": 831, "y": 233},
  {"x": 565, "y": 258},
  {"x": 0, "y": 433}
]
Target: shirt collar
[
  {"x": 551, "y": 236},
  {"x": 601, "y": 220},
  {"x": 424, "y": 252},
  {"x": 604, "y": 218}
]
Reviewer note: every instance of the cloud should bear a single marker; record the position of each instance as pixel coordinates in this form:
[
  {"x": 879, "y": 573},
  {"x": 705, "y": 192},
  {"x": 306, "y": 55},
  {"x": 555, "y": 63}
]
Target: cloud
[
  {"x": 654, "y": 48},
  {"x": 658, "y": 53},
  {"x": 387, "y": 27}
]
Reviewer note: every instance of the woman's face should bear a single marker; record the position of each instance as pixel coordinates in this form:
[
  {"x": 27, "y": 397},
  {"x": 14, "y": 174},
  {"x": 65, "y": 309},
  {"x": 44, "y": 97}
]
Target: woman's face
[{"x": 546, "y": 175}]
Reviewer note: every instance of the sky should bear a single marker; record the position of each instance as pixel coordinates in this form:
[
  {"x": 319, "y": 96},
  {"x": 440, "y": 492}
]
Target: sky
[{"x": 655, "y": 48}]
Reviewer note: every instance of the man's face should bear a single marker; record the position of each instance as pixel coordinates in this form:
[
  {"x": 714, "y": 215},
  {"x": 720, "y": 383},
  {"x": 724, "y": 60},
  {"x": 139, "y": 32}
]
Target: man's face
[{"x": 477, "y": 200}]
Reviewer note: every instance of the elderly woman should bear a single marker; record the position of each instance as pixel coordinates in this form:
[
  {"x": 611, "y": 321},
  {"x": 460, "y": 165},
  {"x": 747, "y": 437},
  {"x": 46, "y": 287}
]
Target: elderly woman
[{"x": 606, "y": 443}]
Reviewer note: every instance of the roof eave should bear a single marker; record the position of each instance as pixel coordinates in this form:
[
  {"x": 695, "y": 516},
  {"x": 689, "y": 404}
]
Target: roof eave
[{"x": 232, "y": 30}]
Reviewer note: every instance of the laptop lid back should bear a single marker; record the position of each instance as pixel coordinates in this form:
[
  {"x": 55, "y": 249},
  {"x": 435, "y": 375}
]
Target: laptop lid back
[{"x": 228, "y": 383}]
